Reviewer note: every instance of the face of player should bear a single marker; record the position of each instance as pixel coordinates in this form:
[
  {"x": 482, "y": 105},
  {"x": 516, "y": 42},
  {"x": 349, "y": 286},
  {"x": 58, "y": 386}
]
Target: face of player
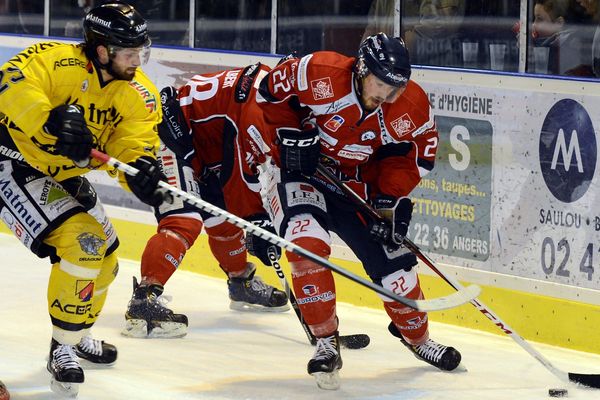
[
  {"x": 375, "y": 92},
  {"x": 125, "y": 62}
]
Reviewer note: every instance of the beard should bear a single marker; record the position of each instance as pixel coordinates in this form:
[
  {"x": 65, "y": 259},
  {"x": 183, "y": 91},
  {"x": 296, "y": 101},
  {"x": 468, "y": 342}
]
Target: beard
[
  {"x": 370, "y": 103},
  {"x": 123, "y": 74}
]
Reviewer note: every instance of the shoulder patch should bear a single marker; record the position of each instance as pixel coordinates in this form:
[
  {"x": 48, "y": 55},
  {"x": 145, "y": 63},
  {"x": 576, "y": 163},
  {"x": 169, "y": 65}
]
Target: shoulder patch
[
  {"x": 321, "y": 88},
  {"x": 403, "y": 125},
  {"x": 147, "y": 95}
]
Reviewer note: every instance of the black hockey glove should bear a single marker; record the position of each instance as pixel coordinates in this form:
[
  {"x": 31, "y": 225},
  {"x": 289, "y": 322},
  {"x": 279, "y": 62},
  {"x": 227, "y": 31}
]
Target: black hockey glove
[
  {"x": 73, "y": 138},
  {"x": 397, "y": 213},
  {"x": 173, "y": 130},
  {"x": 299, "y": 150},
  {"x": 260, "y": 247},
  {"x": 145, "y": 184}
]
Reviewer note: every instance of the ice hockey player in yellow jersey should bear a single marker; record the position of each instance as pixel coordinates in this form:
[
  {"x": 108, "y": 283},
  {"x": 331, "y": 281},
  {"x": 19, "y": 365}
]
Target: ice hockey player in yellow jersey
[{"x": 57, "y": 102}]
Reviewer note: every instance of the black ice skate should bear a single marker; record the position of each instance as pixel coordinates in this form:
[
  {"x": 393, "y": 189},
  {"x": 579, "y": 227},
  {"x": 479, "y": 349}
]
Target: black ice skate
[
  {"x": 326, "y": 362},
  {"x": 95, "y": 353},
  {"x": 440, "y": 356},
  {"x": 250, "y": 293},
  {"x": 148, "y": 316},
  {"x": 66, "y": 372}
]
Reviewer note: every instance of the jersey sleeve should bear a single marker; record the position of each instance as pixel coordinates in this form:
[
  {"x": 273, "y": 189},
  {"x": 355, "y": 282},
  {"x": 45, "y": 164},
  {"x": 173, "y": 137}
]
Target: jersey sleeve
[
  {"x": 299, "y": 84},
  {"x": 136, "y": 135},
  {"x": 410, "y": 155},
  {"x": 26, "y": 87}
]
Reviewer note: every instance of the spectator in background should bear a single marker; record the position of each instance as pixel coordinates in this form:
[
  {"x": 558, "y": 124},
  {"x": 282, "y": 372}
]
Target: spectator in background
[
  {"x": 593, "y": 11},
  {"x": 434, "y": 40},
  {"x": 560, "y": 26},
  {"x": 381, "y": 18}
]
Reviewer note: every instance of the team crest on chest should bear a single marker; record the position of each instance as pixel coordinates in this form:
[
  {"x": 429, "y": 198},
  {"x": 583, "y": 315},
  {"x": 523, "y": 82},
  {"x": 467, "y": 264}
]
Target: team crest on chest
[
  {"x": 321, "y": 88},
  {"x": 84, "y": 85},
  {"x": 403, "y": 125},
  {"x": 334, "y": 123}
]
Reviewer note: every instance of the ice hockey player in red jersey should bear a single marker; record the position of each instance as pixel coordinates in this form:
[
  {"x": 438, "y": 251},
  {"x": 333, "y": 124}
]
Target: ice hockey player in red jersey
[
  {"x": 372, "y": 127},
  {"x": 212, "y": 140}
]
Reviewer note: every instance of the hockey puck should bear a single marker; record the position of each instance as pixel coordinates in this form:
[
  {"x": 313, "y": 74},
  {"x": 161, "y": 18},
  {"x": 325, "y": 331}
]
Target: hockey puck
[
  {"x": 356, "y": 341},
  {"x": 558, "y": 392}
]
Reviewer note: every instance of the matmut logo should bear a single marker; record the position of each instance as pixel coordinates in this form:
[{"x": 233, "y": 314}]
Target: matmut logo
[
  {"x": 403, "y": 125},
  {"x": 321, "y": 88}
]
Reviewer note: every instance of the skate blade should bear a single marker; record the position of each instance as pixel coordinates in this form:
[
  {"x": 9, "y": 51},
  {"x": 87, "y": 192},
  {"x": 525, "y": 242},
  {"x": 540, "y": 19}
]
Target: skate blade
[
  {"x": 327, "y": 380},
  {"x": 249, "y": 307},
  {"x": 86, "y": 364},
  {"x": 138, "y": 328},
  {"x": 64, "y": 389}
]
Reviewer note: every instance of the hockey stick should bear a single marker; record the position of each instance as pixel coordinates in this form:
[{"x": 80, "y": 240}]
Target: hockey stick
[
  {"x": 356, "y": 341},
  {"x": 590, "y": 380},
  {"x": 440, "y": 303}
]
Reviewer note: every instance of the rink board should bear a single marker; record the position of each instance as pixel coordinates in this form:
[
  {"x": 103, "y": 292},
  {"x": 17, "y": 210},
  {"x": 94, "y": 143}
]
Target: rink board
[{"x": 511, "y": 204}]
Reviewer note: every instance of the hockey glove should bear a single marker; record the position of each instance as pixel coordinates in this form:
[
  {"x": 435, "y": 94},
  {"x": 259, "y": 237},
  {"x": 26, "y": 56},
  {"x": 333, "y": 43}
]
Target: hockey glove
[
  {"x": 397, "y": 213},
  {"x": 173, "y": 129},
  {"x": 73, "y": 138},
  {"x": 144, "y": 185},
  {"x": 259, "y": 247},
  {"x": 299, "y": 150}
]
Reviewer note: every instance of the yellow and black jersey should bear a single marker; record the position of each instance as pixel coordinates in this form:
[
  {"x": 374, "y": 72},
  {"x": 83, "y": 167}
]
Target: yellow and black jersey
[{"x": 122, "y": 115}]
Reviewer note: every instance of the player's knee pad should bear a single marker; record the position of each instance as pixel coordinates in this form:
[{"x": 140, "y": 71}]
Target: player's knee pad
[
  {"x": 412, "y": 324},
  {"x": 184, "y": 227},
  {"x": 305, "y": 231},
  {"x": 400, "y": 282},
  {"x": 226, "y": 242},
  {"x": 165, "y": 250},
  {"x": 80, "y": 241}
]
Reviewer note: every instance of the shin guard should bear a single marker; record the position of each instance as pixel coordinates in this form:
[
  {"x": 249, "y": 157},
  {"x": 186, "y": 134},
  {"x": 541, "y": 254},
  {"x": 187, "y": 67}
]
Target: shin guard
[
  {"x": 411, "y": 323},
  {"x": 165, "y": 250},
  {"x": 227, "y": 244}
]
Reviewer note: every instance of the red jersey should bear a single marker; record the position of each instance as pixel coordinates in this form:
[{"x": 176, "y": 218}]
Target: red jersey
[
  {"x": 390, "y": 148},
  {"x": 229, "y": 132}
]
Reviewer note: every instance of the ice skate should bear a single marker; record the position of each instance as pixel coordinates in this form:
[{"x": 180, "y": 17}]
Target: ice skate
[
  {"x": 440, "y": 356},
  {"x": 66, "y": 372},
  {"x": 148, "y": 316},
  {"x": 95, "y": 353},
  {"x": 250, "y": 293},
  {"x": 326, "y": 362}
]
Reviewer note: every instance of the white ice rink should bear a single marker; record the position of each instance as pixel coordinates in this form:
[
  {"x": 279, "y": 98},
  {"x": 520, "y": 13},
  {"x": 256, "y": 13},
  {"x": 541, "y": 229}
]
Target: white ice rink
[{"x": 233, "y": 355}]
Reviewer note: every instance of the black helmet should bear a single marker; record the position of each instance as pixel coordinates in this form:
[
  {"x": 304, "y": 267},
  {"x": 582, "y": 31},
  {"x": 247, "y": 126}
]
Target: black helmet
[
  {"x": 117, "y": 24},
  {"x": 386, "y": 58}
]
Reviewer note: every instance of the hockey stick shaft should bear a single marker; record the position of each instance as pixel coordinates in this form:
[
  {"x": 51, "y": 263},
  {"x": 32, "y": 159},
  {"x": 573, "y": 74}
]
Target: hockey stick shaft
[
  {"x": 591, "y": 380},
  {"x": 286, "y": 287},
  {"x": 420, "y": 305}
]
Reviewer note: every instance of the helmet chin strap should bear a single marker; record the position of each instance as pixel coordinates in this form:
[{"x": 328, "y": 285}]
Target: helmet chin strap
[{"x": 358, "y": 88}]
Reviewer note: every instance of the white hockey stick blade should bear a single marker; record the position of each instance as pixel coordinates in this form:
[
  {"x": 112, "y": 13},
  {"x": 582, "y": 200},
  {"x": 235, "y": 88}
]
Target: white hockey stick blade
[
  {"x": 452, "y": 300},
  {"x": 440, "y": 303}
]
